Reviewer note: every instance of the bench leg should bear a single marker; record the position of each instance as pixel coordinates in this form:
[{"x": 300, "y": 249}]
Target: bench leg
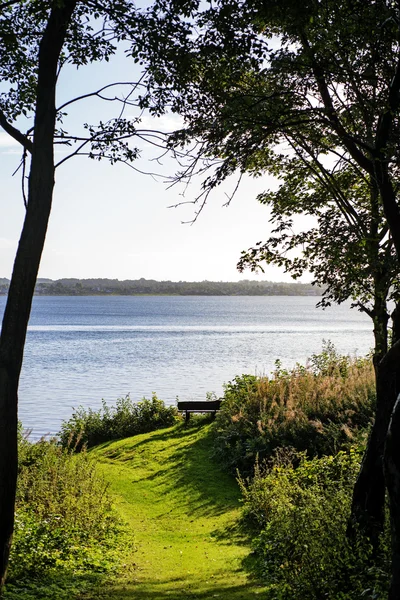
[{"x": 187, "y": 416}]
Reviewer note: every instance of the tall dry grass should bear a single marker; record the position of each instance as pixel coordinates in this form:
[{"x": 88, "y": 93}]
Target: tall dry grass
[{"x": 320, "y": 408}]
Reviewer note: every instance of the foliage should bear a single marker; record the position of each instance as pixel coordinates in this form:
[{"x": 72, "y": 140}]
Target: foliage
[
  {"x": 279, "y": 88},
  {"x": 343, "y": 245},
  {"x": 309, "y": 96},
  {"x": 87, "y": 41},
  {"x": 307, "y": 93},
  {"x": 300, "y": 508},
  {"x": 99, "y": 287},
  {"x": 37, "y": 39},
  {"x": 321, "y": 408},
  {"x": 66, "y": 532},
  {"x": 88, "y": 427}
]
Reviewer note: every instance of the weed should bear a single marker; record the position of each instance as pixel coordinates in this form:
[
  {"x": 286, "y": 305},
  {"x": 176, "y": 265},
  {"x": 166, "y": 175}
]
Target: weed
[
  {"x": 300, "y": 509},
  {"x": 321, "y": 408},
  {"x": 65, "y": 528},
  {"x": 89, "y": 427}
]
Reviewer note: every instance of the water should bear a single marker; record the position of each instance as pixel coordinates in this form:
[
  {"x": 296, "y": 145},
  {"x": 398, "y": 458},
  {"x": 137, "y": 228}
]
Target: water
[{"x": 82, "y": 349}]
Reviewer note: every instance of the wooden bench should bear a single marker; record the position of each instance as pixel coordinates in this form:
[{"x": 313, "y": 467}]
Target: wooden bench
[{"x": 206, "y": 406}]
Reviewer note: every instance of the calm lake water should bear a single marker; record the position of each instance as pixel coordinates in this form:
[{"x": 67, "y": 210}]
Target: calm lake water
[{"x": 82, "y": 349}]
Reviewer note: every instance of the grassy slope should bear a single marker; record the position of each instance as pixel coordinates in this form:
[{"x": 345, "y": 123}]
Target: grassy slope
[{"x": 183, "y": 512}]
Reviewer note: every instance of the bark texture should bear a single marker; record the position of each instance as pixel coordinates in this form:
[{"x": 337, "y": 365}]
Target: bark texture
[
  {"x": 392, "y": 473},
  {"x": 368, "y": 502},
  {"x": 26, "y": 266}
]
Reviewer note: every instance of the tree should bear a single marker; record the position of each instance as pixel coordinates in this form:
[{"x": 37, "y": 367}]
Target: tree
[
  {"x": 261, "y": 79},
  {"x": 248, "y": 78},
  {"x": 38, "y": 38},
  {"x": 351, "y": 256}
]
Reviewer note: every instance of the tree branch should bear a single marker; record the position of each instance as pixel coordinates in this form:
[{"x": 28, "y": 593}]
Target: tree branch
[
  {"x": 15, "y": 133},
  {"x": 99, "y": 91},
  {"x": 327, "y": 179},
  {"x": 385, "y": 123},
  {"x": 347, "y": 139}
]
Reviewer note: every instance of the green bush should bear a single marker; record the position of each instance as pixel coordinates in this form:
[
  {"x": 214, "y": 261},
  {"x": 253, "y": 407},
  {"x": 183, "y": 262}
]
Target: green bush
[
  {"x": 300, "y": 508},
  {"x": 89, "y": 427},
  {"x": 65, "y": 528},
  {"x": 320, "y": 408}
]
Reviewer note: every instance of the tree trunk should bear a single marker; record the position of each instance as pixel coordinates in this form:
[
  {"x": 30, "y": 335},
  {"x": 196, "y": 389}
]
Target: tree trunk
[
  {"x": 26, "y": 266},
  {"x": 8, "y": 466},
  {"x": 392, "y": 474},
  {"x": 368, "y": 503}
]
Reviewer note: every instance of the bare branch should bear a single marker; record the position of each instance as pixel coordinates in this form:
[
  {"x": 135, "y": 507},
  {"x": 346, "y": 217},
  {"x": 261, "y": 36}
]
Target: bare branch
[
  {"x": 362, "y": 308},
  {"x": 15, "y": 133},
  {"x": 75, "y": 153},
  {"x": 98, "y": 92},
  {"x": 155, "y": 176},
  {"x": 233, "y": 194},
  {"x": 23, "y": 178}
]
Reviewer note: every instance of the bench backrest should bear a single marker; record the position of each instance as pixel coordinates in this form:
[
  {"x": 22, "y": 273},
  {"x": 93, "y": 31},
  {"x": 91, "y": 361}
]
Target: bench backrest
[{"x": 200, "y": 405}]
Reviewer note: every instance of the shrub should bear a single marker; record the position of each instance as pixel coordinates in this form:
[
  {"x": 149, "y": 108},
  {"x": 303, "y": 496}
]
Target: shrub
[
  {"x": 64, "y": 527},
  {"x": 321, "y": 408},
  {"x": 89, "y": 427},
  {"x": 300, "y": 508}
]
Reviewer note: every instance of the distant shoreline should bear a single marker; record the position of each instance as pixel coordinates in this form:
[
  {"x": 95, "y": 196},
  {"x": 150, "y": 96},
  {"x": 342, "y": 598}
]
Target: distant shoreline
[{"x": 150, "y": 287}]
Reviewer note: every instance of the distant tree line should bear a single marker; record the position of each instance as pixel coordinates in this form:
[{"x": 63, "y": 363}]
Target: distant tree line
[{"x": 99, "y": 287}]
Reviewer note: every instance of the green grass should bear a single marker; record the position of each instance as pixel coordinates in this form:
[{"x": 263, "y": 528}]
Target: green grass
[{"x": 183, "y": 512}]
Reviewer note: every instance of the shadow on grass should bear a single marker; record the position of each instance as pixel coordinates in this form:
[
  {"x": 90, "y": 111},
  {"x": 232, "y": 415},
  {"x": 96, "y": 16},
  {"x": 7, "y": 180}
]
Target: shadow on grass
[
  {"x": 62, "y": 584},
  {"x": 184, "y": 480},
  {"x": 184, "y": 588},
  {"x": 236, "y": 533},
  {"x": 184, "y": 463}
]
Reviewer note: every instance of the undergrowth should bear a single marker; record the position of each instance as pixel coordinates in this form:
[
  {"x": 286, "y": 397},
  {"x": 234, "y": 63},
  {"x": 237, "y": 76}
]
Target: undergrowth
[
  {"x": 319, "y": 408},
  {"x": 66, "y": 535},
  {"x": 299, "y": 509},
  {"x": 88, "y": 427},
  {"x": 297, "y": 502}
]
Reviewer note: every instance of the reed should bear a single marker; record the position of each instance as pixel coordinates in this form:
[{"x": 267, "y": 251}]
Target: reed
[{"x": 320, "y": 408}]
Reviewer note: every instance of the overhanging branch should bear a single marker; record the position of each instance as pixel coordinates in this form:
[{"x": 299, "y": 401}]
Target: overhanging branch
[
  {"x": 15, "y": 133},
  {"x": 332, "y": 115}
]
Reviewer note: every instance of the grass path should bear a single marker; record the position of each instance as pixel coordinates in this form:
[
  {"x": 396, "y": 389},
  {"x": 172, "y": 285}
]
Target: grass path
[{"x": 183, "y": 511}]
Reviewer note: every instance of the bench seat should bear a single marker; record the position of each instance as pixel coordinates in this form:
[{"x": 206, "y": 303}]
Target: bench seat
[{"x": 196, "y": 406}]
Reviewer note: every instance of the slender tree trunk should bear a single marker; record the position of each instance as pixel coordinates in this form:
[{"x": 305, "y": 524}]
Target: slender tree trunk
[
  {"x": 392, "y": 473},
  {"x": 26, "y": 266},
  {"x": 392, "y": 478},
  {"x": 368, "y": 503},
  {"x": 8, "y": 467}
]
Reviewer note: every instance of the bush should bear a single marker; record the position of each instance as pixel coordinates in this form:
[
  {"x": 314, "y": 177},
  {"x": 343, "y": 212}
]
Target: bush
[
  {"x": 300, "y": 508},
  {"x": 321, "y": 408},
  {"x": 89, "y": 427},
  {"x": 65, "y": 527}
]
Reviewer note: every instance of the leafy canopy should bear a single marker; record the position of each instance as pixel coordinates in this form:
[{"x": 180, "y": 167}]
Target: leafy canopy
[{"x": 307, "y": 93}]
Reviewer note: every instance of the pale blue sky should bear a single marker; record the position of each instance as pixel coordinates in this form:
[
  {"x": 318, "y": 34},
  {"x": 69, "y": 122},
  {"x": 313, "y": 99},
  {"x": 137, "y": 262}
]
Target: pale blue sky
[{"x": 109, "y": 221}]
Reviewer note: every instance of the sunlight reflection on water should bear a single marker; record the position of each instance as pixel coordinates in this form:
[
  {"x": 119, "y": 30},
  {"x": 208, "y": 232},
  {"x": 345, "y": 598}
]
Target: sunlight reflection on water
[{"x": 82, "y": 349}]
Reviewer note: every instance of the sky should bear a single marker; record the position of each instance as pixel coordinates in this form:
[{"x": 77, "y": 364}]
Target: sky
[{"x": 111, "y": 221}]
